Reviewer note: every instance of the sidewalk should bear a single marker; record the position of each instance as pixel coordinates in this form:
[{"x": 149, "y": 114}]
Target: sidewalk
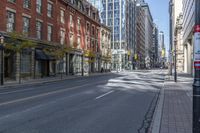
[
  {"x": 38, "y": 81},
  {"x": 175, "y": 106}
]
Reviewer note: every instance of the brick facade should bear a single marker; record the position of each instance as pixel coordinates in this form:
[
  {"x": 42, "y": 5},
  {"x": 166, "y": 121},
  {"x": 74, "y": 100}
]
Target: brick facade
[
  {"x": 58, "y": 5},
  {"x": 74, "y": 12}
]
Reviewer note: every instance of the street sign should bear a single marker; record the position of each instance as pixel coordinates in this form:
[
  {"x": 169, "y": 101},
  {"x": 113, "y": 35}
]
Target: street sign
[
  {"x": 197, "y": 43},
  {"x": 118, "y": 52},
  {"x": 197, "y": 64}
]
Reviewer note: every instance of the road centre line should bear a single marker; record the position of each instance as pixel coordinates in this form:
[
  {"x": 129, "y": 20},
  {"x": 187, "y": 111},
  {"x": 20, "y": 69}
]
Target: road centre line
[
  {"x": 48, "y": 93},
  {"x": 104, "y": 95}
]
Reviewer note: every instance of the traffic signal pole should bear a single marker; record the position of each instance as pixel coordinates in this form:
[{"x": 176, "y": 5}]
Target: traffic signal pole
[{"x": 196, "y": 84}]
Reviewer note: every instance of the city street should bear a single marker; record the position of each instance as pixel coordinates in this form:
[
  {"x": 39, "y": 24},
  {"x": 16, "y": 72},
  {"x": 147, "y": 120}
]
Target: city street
[{"x": 113, "y": 103}]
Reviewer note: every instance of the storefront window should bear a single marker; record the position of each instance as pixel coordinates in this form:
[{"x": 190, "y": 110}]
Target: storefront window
[{"x": 26, "y": 61}]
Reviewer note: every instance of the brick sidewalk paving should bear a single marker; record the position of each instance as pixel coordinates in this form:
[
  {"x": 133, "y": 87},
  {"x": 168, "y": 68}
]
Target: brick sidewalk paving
[{"x": 177, "y": 106}]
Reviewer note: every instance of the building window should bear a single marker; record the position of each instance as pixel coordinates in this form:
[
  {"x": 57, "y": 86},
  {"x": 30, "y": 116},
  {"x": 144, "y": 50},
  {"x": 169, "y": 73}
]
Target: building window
[
  {"x": 79, "y": 42},
  {"x": 71, "y": 20},
  {"x": 25, "y": 61},
  {"x": 26, "y": 25},
  {"x": 79, "y": 26},
  {"x": 62, "y": 16},
  {"x": 39, "y": 29},
  {"x": 92, "y": 30},
  {"x": 13, "y": 1},
  {"x": 49, "y": 10},
  {"x": 88, "y": 42},
  {"x": 49, "y": 33},
  {"x": 62, "y": 36},
  {"x": 27, "y": 4},
  {"x": 79, "y": 5},
  {"x": 94, "y": 16},
  {"x": 97, "y": 33},
  {"x": 39, "y": 6},
  {"x": 97, "y": 46},
  {"x": 10, "y": 21},
  {"x": 88, "y": 28},
  {"x": 71, "y": 38}
]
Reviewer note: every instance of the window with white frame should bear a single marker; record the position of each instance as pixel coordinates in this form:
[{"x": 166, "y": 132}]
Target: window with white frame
[
  {"x": 25, "y": 61},
  {"x": 49, "y": 32},
  {"x": 79, "y": 42},
  {"x": 97, "y": 33},
  {"x": 10, "y": 21},
  {"x": 39, "y": 29},
  {"x": 97, "y": 46},
  {"x": 26, "y": 25},
  {"x": 39, "y": 6},
  {"x": 88, "y": 42},
  {"x": 27, "y": 4},
  {"x": 79, "y": 25},
  {"x": 49, "y": 10},
  {"x": 71, "y": 20},
  {"x": 62, "y": 36},
  {"x": 62, "y": 16},
  {"x": 71, "y": 38}
]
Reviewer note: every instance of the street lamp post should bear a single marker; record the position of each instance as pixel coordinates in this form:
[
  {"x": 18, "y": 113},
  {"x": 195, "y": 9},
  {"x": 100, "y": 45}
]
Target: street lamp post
[
  {"x": 82, "y": 64},
  {"x": 175, "y": 71},
  {"x": 171, "y": 5},
  {"x": 196, "y": 84},
  {"x": 2, "y": 58}
]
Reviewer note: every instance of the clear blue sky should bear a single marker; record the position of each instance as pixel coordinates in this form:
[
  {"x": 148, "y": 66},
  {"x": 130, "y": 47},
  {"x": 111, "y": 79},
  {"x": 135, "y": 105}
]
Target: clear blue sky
[{"x": 159, "y": 10}]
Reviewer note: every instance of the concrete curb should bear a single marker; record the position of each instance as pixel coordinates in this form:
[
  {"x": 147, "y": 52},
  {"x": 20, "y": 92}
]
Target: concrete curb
[
  {"x": 157, "y": 116},
  {"x": 48, "y": 81}
]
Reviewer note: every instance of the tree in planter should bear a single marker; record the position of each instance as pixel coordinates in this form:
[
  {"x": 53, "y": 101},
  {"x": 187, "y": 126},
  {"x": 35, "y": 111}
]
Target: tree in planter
[
  {"x": 17, "y": 44},
  {"x": 90, "y": 54},
  {"x": 57, "y": 52}
]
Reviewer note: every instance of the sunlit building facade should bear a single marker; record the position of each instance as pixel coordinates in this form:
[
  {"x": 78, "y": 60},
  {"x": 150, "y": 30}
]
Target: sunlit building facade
[
  {"x": 188, "y": 38},
  {"x": 155, "y": 46}
]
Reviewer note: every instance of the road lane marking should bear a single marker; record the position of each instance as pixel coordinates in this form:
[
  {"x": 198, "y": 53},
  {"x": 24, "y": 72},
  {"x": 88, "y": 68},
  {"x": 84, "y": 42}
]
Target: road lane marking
[
  {"x": 22, "y": 90},
  {"x": 48, "y": 93},
  {"x": 104, "y": 95},
  {"x": 28, "y": 89}
]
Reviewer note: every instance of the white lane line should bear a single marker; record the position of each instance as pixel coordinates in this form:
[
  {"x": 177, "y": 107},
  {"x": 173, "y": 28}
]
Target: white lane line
[
  {"x": 104, "y": 95},
  {"x": 29, "y": 89},
  {"x": 22, "y": 90},
  {"x": 48, "y": 93}
]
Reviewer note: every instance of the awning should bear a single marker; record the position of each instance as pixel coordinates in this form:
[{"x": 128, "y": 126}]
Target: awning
[{"x": 40, "y": 55}]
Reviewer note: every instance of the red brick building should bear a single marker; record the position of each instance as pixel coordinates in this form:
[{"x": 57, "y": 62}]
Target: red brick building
[{"x": 73, "y": 24}]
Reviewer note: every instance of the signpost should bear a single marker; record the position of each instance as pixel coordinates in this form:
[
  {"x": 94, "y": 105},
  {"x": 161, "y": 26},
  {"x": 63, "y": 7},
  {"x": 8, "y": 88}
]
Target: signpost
[
  {"x": 196, "y": 84},
  {"x": 2, "y": 58}
]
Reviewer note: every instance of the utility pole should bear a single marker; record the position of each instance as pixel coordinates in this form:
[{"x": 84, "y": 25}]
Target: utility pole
[
  {"x": 196, "y": 84},
  {"x": 2, "y": 58},
  {"x": 175, "y": 72},
  {"x": 171, "y": 6}
]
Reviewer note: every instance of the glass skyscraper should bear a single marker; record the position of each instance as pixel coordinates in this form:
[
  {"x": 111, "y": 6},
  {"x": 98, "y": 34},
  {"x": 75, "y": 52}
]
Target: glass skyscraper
[{"x": 115, "y": 14}]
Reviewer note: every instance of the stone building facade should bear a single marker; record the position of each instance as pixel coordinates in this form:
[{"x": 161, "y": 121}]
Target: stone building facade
[
  {"x": 106, "y": 53},
  {"x": 178, "y": 35}
]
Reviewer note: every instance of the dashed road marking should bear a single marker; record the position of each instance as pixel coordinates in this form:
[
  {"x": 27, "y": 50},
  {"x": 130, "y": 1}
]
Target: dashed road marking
[
  {"x": 48, "y": 93},
  {"x": 104, "y": 95}
]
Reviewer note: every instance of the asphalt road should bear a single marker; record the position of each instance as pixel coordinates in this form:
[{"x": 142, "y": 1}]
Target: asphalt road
[{"x": 113, "y": 103}]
